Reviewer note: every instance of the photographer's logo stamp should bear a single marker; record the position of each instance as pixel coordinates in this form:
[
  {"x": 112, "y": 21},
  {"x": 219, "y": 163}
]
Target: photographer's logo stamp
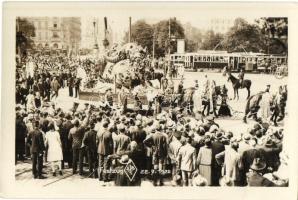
[{"x": 130, "y": 170}]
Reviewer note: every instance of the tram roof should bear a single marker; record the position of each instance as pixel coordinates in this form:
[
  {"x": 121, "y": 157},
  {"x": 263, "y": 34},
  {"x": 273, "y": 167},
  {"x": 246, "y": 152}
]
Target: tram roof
[{"x": 225, "y": 53}]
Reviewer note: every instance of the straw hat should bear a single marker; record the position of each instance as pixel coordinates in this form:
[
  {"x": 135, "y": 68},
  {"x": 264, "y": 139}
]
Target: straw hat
[
  {"x": 124, "y": 159},
  {"x": 225, "y": 181},
  {"x": 199, "y": 181}
]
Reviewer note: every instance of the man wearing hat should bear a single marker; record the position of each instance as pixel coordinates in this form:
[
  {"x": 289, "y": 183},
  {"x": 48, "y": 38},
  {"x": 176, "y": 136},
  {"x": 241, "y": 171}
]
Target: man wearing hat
[
  {"x": 174, "y": 147},
  {"x": 255, "y": 177},
  {"x": 36, "y": 142},
  {"x": 248, "y": 157},
  {"x": 21, "y": 132},
  {"x": 158, "y": 142},
  {"x": 271, "y": 152},
  {"x": 55, "y": 86},
  {"x": 76, "y": 137},
  {"x": 244, "y": 144},
  {"x": 66, "y": 144},
  {"x": 105, "y": 148},
  {"x": 232, "y": 161},
  {"x": 121, "y": 140},
  {"x": 89, "y": 141},
  {"x": 217, "y": 147},
  {"x": 109, "y": 97},
  {"x": 187, "y": 161}
]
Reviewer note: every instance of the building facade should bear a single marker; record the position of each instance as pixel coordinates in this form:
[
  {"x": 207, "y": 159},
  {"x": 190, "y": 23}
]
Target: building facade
[
  {"x": 56, "y": 33},
  {"x": 220, "y": 25}
]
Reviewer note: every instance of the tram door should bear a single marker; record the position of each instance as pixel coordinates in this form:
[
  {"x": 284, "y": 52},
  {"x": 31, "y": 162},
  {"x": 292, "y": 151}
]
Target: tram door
[
  {"x": 234, "y": 63},
  {"x": 191, "y": 62}
]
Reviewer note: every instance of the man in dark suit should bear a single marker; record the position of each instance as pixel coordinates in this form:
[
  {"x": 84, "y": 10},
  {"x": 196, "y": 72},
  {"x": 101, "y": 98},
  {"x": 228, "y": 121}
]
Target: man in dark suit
[
  {"x": 35, "y": 140},
  {"x": 217, "y": 147},
  {"x": 271, "y": 152},
  {"x": 89, "y": 141},
  {"x": 158, "y": 142},
  {"x": 70, "y": 83},
  {"x": 248, "y": 157},
  {"x": 21, "y": 132},
  {"x": 76, "y": 137},
  {"x": 66, "y": 144},
  {"x": 105, "y": 148}
]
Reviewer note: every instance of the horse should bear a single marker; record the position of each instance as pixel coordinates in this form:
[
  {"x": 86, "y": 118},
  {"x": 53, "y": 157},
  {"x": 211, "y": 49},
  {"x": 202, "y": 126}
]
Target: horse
[
  {"x": 277, "y": 106},
  {"x": 252, "y": 106},
  {"x": 236, "y": 85}
]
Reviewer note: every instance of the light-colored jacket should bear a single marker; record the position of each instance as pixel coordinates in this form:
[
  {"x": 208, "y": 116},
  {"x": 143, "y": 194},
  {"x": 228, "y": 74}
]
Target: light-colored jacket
[
  {"x": 187, "y": 158},
  {"x": 232, "y": 163}
]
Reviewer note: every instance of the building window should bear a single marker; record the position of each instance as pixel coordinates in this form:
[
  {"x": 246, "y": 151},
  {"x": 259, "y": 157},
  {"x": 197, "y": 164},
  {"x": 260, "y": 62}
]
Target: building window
[
  {"x": 55, "y": 46},
  {"x": 55, "y": 25},
  {"x": 39, "y": 35},
  {"x": 55, "y": 35}
]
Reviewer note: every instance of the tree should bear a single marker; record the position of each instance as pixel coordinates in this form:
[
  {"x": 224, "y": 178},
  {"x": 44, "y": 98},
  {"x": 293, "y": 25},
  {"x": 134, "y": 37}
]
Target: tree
[
  {"x": 163, "y": 42},
  {"x": 24, "y": 31},
  {"x": 193, "y": 37},
  {"x": 212, "y": 41},
  {"x": 142, "y": 34},
  {"x": 275, "y": 30},
  {"x": 244, "y": 37}
]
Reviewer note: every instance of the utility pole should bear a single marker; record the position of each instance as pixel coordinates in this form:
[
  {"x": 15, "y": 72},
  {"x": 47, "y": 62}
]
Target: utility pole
[
  {"x": 169, "y": 47},
  {"x": 129, "y": 31},
  {"x": 153, "y": 49}
]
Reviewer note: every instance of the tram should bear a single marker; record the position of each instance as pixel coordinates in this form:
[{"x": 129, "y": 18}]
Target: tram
[{"x": 234, "y": 61}]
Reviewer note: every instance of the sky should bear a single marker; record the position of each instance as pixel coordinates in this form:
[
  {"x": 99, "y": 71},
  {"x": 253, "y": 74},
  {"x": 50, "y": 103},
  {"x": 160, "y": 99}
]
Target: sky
[
  {"x": 120, "y": 25},
  {"x": 198, "y": 15}
]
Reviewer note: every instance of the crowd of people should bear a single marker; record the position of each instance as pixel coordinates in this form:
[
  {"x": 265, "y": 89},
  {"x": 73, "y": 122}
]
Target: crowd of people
[{"x": 170, "y": 145}]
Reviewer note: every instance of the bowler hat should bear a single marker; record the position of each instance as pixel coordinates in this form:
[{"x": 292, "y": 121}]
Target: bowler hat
[
  {"x": 218, "y": 135},
  {"x": 269, "y": 143},
  {"x": 177, "y": 134},
  {"x": 258, "y": 164}
]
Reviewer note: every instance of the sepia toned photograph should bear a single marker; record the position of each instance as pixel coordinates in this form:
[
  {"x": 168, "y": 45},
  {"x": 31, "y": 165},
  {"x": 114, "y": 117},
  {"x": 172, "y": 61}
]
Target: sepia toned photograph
[
  {"x": 152, "y": 101},
  {"x": 148, "y": 100}
]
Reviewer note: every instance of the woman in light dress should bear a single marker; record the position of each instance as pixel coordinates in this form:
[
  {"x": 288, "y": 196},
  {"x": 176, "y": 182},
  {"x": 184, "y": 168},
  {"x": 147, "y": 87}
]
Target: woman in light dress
[
  {"x": 54, "y": 148},
  {"x": 30, "y": 101},
  {"x": 197, "y": 101},
  {"x": 204, "y": 160}
]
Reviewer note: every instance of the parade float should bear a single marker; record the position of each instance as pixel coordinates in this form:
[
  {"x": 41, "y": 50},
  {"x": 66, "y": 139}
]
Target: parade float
[{"x": 124, "y": 68}]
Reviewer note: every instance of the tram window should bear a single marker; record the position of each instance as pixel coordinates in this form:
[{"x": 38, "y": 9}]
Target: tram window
[
  {"x": 208, "y": 58},
  {"x": 204, "y": 58},
  {"x": 199, "y": 58}
]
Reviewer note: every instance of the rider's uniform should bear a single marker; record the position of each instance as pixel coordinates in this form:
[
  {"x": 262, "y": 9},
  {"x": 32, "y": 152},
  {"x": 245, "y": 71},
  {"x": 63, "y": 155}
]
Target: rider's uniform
[{"x": 241, "y": 77}]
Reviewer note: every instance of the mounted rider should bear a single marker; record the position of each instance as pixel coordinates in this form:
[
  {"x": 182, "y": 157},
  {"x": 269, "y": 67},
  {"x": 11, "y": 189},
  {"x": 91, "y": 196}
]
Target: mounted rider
[{"x": 241, "y": 77}]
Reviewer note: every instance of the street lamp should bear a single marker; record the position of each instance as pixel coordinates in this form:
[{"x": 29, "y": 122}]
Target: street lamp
[{"x": 95, "y": 39}]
